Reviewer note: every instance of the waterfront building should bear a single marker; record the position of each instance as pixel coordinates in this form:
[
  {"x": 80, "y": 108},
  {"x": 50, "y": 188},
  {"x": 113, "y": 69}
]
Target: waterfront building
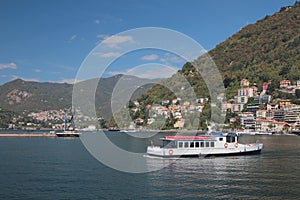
[
  {"x": 248, "y": 120},
  {"x": 279, "y": 115}
]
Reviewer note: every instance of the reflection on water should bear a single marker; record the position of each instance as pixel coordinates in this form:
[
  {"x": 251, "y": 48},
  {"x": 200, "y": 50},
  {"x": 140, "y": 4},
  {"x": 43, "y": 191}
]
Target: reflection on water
[{"x": 54, "y": 168}]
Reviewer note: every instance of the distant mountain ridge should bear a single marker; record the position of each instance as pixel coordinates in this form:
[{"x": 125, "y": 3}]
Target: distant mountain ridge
[{"x": 19, "y": 95}]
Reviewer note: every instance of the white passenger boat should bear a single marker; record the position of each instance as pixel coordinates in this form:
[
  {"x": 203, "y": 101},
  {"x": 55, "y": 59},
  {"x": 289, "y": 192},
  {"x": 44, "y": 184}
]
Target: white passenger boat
[{"x": 216, "y": 144}]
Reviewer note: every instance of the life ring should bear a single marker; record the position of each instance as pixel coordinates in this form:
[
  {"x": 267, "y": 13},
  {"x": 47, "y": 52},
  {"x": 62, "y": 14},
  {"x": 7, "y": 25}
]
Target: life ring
[
  {"x": 236, "y": 145},
  {"x": 170, "y": 151},
  {"x": 226, "y": 145}
]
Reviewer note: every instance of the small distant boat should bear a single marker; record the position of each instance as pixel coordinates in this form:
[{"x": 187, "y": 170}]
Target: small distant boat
[
  {"x": 113, "y": 129},
  {"x": 216, "y": 144},
  {"x": 69, "y": 130},
  {"x": 130, "y": 129},
  {"x": 263, "y": 133},
  {"x": 242, "y": 132},
  {"x": 68, "y": 133}
]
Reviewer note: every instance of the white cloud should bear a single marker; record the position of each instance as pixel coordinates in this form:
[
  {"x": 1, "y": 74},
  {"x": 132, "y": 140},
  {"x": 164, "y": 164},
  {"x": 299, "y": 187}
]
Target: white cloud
[
  {"x": 8, "y": 66},
  {"x": 102, "y": 36},
  {"x": 25, "y": 79},
  {"x": 114, "y": 41},
  {"x": 149, "y": 71},
  {"x": 107, "y": 55},
  {"x": 73, "y": 37},
  {"x": 37, "y": 70},
  {"x": 150, "y": 57},
  {"x": 69, "y": 81},
  {"x": 171, "y": 58},
  {"x": 97, "y": 21}
]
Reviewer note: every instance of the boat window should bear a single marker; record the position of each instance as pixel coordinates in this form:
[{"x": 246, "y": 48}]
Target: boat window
[
  {"x": 212, "y": 144},
  {"x": 230, "y": 139},
  {"x": 180, "y": 144},
  {"x": 220, "y": 139},
  {"x": 197, "y": 144},
  {"x": 186, "y": 144},
  {"x": 192, "y": 145},
  {"x": 201, "y": 144},
  {"x": 206, "y": 144}
]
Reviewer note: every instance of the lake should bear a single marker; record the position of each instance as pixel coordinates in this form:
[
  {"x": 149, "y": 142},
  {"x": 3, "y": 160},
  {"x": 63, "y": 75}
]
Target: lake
[{"x": 60, "y": 168}]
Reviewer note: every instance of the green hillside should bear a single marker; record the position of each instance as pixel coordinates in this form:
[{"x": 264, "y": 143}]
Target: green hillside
[
  {"x": 266, "y": 50},
  {"x": 25, "y": 96}
]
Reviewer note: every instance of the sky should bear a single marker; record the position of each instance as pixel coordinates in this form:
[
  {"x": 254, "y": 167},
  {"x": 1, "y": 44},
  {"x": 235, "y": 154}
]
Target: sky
[{"x": 47, "y": 41}]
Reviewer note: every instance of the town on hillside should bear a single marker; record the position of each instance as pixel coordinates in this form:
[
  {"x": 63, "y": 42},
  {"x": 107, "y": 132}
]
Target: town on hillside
[
  {"x": 250, "y": 110},
  {"x": 258, "y": 111}
]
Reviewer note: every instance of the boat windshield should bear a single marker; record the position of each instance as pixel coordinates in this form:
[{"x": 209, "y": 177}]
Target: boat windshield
[
  {"x": 169, "y": 144},
  {"x": 230, "y": 139}
]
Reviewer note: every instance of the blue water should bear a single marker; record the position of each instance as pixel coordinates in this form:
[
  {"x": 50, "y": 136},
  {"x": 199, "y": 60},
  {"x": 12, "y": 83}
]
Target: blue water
[{"x": 58, "y": 168}]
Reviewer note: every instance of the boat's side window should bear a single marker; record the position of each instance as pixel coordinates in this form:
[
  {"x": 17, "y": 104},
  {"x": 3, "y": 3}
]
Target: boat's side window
[
  {"x": 220, "y": 139},
  {"x": 206, "y": 144},
  {"x": 201, "y": 144},
  {"x": 180, "y": 144},
  {"x": 192, "y": 145},
  {"x": 186, "y": 144},
  {"x": 230, "y": 139},
  {"x": 212, "y": 144},
  {"x": 197, "y": 144},
  {"x": 233, "y": 139}
]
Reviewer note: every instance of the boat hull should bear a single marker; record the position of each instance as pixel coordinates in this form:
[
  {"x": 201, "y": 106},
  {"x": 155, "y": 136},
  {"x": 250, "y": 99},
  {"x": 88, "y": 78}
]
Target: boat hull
[
  {"x": 242, "y": 149},
  {"x": 208, "y": 155},
  {"x": 68, "y": 134}
]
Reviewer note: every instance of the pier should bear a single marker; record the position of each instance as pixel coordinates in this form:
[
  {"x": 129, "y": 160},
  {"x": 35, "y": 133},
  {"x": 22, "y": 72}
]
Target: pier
[{"x": 27, "y": 135}]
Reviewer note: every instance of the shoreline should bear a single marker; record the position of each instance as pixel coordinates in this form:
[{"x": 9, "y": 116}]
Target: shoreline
[{"x": 27, "y": 135}]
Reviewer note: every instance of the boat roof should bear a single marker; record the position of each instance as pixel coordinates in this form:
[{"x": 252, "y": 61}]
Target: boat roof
[
  {"x": 212, "y": 136},
  {"x": 188, "y": 138}
]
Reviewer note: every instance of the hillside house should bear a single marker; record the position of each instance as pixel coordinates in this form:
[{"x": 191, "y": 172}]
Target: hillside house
[
  {"x": 263, "y": 124},
  {"x": 272, "y": 106},
  {"x": 248, "y": 92},
  {"x": 245, "y": 82},
  {"x": 285, "y": 83},
  {"x": 284, "y": 103},
  {"x": 261, "y": 114},
  {"x": 247, "y": 120}
]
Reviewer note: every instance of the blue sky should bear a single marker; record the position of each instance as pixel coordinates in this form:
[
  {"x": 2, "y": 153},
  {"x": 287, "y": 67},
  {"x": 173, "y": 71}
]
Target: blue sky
[{"x": 48, "y": 40}]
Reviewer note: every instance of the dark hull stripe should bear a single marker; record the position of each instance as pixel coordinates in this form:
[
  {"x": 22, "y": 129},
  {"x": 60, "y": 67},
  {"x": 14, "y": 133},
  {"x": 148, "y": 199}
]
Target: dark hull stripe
[{"x": 211, "y": 155}]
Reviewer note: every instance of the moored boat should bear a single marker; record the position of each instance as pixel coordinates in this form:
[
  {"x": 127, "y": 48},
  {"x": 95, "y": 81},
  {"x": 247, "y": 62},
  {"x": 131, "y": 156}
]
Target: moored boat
[
  {"x": 69, "y": 129},
  {"x": 68, "y": 133},
  {"x": 216, "y": 144}
]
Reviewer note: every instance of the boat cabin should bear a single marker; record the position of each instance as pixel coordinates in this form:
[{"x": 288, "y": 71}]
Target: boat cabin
[{"x": 206, "y": 141}]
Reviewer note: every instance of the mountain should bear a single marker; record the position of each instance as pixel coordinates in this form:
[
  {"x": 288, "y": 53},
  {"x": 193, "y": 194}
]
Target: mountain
[
  {"x": 267, "y": 51},
  {"x": 19, "y": 95}
]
